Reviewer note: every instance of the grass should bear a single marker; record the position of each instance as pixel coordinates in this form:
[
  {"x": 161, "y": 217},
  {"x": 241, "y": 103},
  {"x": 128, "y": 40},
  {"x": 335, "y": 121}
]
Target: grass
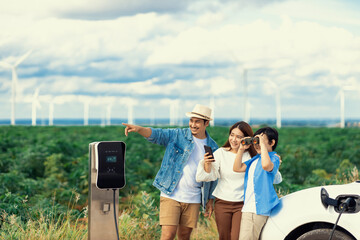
[
  {"x": 137, "y": 221},
  {"x": 46, "y": 228}
]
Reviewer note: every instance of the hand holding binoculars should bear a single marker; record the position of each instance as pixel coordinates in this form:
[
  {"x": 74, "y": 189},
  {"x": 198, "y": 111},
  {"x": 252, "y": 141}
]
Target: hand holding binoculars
[{"x": 250, "y": 140}]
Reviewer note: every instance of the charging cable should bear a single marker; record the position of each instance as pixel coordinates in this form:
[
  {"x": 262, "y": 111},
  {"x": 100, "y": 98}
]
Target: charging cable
[
  {"x": 116, "y": 225},
  {"x": 343, "y": 207}
]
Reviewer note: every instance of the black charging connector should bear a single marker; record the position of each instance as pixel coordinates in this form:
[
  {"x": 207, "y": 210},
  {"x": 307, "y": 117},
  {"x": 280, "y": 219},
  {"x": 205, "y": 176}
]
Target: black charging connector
[
  {"x": 344, "y": 206},
  {"x": 348, "y": 202},
  {"x": 116, "y": 224}
]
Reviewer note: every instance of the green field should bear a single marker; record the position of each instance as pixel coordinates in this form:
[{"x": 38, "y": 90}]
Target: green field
[{"x": 44, "y": 176}]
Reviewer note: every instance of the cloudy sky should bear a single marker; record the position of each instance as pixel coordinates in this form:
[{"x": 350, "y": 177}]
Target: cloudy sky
[{"x": 152, "y": 53}]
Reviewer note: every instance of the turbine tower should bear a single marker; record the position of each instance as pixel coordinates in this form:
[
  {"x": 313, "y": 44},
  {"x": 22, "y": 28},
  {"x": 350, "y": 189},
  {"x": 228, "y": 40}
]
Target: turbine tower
[
  {"x": 14, "y": 82},
  {"x": 130, "y": 113},
  {"x": 86, "y": 113},
  {"x": 86, "y": 101},
  {"x": 246, "y": 102},
  {"x": 278, "y": 103},
  {"x": 108, "y": 114},
  {"x": 174, "y": 112},
  {"x": 130, "y": 103},
  {"x": 342, "y": 104},
  {"x": 35, "y": 105},
  {"x": 51, "y": 113},
  {"x": 212, "y": 106}
]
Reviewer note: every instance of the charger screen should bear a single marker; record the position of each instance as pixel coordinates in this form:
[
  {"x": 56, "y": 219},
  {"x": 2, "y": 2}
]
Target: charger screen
[{"x": 111, "y": 159}]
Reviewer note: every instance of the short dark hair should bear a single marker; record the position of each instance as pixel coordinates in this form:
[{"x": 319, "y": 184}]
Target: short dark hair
[{"x": 271, "y": 133}]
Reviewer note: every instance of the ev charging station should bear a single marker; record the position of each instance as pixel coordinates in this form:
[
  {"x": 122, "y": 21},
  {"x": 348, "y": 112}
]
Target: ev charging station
[{"x": 106, "y": 177}]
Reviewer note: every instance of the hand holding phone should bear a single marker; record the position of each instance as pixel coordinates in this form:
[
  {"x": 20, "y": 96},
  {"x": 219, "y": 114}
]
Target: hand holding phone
[{"x": 209, "y": 151}]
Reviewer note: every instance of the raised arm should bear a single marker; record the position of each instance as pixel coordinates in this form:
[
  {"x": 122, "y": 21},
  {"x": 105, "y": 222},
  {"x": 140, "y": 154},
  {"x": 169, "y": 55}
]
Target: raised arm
[
  {"x": 208, "y": 169},
  {"x": 239, "y": 166},
  {"x": 143, "y": 131},
  {"x": 266, "y": 162},
  {"x": 208, "y": 160}
]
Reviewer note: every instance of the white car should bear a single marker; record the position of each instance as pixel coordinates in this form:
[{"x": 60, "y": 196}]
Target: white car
[{"x": 311, "y": 214}]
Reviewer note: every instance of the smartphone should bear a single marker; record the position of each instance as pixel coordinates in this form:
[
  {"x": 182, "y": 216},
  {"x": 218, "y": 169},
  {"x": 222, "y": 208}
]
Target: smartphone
[{"x": 208, "y": 150}]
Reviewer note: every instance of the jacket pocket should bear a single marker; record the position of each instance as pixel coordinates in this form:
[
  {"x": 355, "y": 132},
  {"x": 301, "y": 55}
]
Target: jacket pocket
[{"x": 177, "y": 153}]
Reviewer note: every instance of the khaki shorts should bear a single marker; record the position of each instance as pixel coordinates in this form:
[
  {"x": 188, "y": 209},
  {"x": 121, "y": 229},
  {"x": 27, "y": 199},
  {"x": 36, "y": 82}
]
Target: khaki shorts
[{"x": 177, "y": 213}]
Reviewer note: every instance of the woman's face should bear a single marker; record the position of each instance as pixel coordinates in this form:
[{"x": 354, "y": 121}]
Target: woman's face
[{"x": 234, "y": 138}]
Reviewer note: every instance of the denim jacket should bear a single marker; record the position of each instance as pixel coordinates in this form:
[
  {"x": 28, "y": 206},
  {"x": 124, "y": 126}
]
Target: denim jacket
[{"x": 179, "y": 145}]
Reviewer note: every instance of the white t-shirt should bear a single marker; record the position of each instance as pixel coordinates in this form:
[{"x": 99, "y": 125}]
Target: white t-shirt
[
  {"x": 250, "y": 205},
  {"x": 188, "y": 190},
  {"x": 230, "y": 186}
]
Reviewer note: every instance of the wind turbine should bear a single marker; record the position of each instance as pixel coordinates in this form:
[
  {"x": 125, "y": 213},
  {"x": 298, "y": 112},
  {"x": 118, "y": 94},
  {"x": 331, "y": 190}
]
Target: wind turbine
[
  {"x": 35, "y": 105},
  {"x": 108, "y": 101},
  {"x": 86, "y": 113},
  {"x": 342, "y": 103},
  {"x": 130, "y": 113},
  {"x": 108, "y": 114},
  {"x": 86, "y": 101},
  {"x": 51, "y": 113},
  {"x": 14, "y": 82},
  {"x": 130, "y": 103},
  {"x": 212, "y": 106},
  {"x": 278, "y": 102},
  {"x": 174, "y": 112},
  {"x": 246, "y": 102}
]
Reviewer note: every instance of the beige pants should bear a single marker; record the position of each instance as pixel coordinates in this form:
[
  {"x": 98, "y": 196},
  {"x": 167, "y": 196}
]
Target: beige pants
[{"x": 251, "y": 226}]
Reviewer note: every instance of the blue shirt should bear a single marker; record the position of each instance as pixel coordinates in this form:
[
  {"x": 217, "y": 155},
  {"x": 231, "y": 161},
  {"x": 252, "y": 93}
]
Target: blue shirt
[
  {"x": 179, "y": 145},
  {"x": 265, "y": 196}
]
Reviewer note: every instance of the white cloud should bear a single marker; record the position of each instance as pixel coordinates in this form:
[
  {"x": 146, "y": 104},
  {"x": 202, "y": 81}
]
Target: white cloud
[
  {"x": 186, "y": 50},
  {"x": 91, "y": 10}
]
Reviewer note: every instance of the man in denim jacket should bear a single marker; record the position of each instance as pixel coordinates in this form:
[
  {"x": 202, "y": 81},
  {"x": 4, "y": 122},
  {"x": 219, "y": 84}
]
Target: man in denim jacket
[{"x": 181, "y": 195}]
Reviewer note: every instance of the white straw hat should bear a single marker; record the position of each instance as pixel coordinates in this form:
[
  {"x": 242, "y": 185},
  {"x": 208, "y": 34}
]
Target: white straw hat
[{"x": 200, "y": 111}]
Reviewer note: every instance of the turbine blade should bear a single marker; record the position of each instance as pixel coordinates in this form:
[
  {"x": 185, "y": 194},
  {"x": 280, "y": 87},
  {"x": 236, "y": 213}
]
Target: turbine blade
[
  {"x": 5, "y": 65},
  {"x": 38, "y": 104},
  {"x": 14, "y": 77},
  {"x": 22, "y": 58},
  {"x": 15, "y": 83},
  {"x": 349, "y": 88},
  {"x": 337, "y": 96},
  {"x": 36, "y": 93}
]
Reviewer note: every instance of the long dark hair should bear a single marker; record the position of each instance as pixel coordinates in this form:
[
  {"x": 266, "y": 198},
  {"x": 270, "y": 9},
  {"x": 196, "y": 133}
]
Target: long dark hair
[{"x": 245, "y": 128}]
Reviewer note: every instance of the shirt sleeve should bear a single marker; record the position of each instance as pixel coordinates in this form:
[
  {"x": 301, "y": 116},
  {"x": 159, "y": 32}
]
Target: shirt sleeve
[
  {"x": 161, "y": 136},
  {"x": 276, "y": 161},
  {"x": 278, "y": 177},
  {"x": 203, "y": 176}
]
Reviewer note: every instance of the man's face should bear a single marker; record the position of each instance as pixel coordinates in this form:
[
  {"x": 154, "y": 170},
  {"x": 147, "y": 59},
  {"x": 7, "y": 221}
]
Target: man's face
[{"x": 198, "y": 126}]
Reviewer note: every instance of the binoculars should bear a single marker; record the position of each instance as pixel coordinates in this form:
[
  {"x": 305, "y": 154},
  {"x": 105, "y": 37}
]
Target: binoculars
[{"x": 248, "y": 141}]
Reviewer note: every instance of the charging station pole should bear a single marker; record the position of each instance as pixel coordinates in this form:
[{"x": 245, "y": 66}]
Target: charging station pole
[{"x": 106, "y": 175}]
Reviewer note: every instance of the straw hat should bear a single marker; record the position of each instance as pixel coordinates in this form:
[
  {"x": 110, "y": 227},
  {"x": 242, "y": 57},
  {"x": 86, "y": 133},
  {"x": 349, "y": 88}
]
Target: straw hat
[{"x": 200, "y": 111}]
